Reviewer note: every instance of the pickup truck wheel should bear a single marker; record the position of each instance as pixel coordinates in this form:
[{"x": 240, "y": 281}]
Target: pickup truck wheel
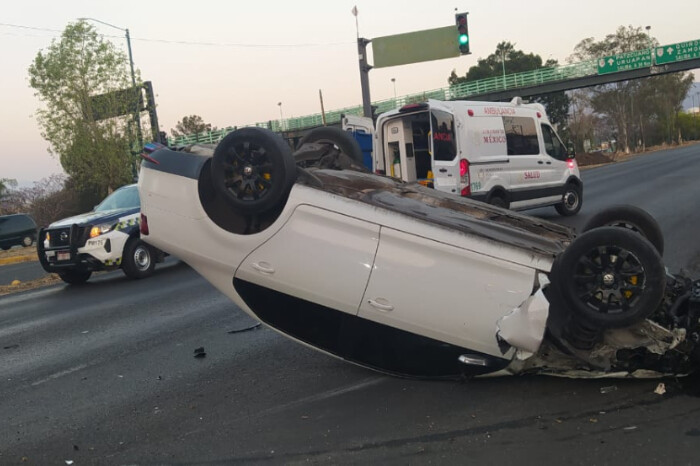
[
  {"x": 253, "y": 170},
  {"x": 349, "y": 152},
  {"x": 632, "y": 218},
  {"x": 138, "y": 259},
  {"x": 610, "y": 277},
  {"x": 571, "y": 201},
  {"x": 75, "y": 277},
  {"x": 27, "y": 241}
]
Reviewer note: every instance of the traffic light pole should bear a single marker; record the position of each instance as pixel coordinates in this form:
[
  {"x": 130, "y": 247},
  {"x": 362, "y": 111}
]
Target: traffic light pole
[{"x": 364, "y": 76}]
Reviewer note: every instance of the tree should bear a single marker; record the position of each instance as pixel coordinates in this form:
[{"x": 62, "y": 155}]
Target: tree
[
  {"x": 66, "y": 78},
  {"x": 192, "y": 124},
  {"x": 641, "y": 110},
  {"x": 509, "y": 60}
]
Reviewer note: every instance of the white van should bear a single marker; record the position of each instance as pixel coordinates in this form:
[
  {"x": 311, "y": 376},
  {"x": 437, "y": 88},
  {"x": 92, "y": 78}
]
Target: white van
[{"x": 506, "y": 154}]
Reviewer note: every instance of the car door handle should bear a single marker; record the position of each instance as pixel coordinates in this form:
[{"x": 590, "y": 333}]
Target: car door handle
[
  {"x": 549, "y": 163},
  {"x": 540, "y": 162},
  {"x": 382, "y": 306},
  {"x": 443, "y": 170},
  {"x": 263, "y": 267}
]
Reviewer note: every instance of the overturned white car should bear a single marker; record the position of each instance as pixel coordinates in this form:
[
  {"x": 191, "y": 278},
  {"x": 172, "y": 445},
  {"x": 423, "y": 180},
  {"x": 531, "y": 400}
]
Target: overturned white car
[{"x": 411, "y": 281}]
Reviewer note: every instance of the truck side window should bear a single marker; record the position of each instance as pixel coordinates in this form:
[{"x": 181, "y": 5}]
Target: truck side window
[
  {"x": 521, "y": 136},
  {"x": 552, "y": 144},
  {"x": 443, "y": 135}
]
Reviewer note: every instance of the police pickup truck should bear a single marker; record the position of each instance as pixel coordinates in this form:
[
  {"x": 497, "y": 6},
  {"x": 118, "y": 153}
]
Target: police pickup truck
[{"x": 105, "y": 239}]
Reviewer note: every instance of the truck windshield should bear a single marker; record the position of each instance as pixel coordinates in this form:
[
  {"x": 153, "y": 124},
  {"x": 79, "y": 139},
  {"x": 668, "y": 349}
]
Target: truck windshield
[
  {"x": 122, "y": 198},
  {"x": 443, "y": 135}
]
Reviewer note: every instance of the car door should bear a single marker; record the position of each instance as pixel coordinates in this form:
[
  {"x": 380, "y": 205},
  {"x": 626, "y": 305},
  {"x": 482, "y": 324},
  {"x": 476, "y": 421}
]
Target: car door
[
  {"x": 557, "y": 155},
  {"x": 318, "y": 256},
  {"x": 441, "y": 291}
]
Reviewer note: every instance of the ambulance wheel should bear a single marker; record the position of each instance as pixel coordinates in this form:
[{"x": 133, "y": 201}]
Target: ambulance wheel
[
  {"x": 571, "y": 200},
  {"x": 138, "y": 259},
  {"x": 610, "y": 277},
  {"x": 253, "y": 170},
  {"x": 74, "y": 276},
  {"x": 630, "y": 217},
  {"x": 341, "y": 141},
  {"x": 498, "y": 201}
]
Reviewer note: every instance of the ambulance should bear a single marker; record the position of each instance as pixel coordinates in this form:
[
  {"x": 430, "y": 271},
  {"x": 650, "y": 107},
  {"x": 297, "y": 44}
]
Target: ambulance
[{"x": 505, "y": 154}]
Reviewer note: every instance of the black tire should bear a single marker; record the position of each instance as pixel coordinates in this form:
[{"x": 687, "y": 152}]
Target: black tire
[
  {"x": 27, "y": 241},
  {"x": 340, "y": 140},
  {"x": 498, "y": 201},
  {"x": 630, "y": 217},
  {"x": 75, "y": 276},
  {"x": 138, "y": 259},
  {"x": 571, "y": 200},
  {"x": 610, "y": 277},
  {"x": 253, "y": 170}
]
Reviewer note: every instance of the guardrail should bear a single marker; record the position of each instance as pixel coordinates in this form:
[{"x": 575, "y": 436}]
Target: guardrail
[{"x": 459, "y": 91}]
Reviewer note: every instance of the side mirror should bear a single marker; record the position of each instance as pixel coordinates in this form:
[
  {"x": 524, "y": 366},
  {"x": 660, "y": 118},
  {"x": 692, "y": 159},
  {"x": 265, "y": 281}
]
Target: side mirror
[{"x": 571, "y": 150}]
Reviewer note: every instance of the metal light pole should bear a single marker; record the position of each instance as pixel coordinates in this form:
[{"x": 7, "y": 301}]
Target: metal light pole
[
  {"x": 503, "y": 63},
  {"x": 281, "y": 117},
  {"x": 137, "y": 117},
  {"x": 393, "y": 80}
]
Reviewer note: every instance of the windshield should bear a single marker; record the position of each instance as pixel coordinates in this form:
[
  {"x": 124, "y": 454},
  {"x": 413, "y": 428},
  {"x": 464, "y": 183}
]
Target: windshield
[{"x": 122, "y": 198}]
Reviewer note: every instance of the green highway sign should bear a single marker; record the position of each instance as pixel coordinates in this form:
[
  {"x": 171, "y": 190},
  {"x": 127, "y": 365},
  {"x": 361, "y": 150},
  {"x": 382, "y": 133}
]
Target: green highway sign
[
  {"x": 677, "y": 52},
  {"x": 625, "y": 61},
  {"x": 414, "y": 47}
]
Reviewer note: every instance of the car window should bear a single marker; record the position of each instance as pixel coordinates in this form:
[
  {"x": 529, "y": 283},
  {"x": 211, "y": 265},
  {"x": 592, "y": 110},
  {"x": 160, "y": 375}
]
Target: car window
[
  {"x": 123, "y": 198},
  {"x": 552, "y": 144},
  {"x": 521, "y": 135},
  {"x": 443, "y": 135}
]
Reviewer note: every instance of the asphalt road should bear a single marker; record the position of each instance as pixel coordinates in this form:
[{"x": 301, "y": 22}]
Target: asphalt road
[{"x": 106, "y": 374}]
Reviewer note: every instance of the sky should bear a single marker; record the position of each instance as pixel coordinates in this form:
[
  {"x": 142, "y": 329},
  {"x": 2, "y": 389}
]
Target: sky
[{"x": 232, "y": 62}]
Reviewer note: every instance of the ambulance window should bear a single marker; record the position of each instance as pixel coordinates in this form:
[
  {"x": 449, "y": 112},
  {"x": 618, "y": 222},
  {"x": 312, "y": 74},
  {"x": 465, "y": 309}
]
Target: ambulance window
[
  {"x": 443, "y": 135},
  {"x": 552, "y": 144},
  {"x": 521, "y": 135}
]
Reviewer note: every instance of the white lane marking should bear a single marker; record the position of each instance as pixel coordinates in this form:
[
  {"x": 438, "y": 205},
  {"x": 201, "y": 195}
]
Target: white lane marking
[{"x": 59, "y": 374}]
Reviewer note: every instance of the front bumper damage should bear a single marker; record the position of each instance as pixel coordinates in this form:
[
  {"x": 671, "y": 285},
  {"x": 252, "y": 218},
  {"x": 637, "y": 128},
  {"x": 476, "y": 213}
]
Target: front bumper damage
[{"x": 665, "y": 344}]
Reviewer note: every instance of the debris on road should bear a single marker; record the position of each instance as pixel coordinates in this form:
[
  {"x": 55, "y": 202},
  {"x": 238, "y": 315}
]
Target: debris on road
[
  {"x": 199, "y": 353},
  {"x": 11, "y": 346},
  {"x": 660, "y": 389},
  {"x": 608, "y": 389},
  {"x": 252, "y": 327}
]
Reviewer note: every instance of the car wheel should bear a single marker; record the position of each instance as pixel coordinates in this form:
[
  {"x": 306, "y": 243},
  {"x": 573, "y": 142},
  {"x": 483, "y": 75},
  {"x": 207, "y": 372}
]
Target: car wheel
[
  {"x": 571, "y": 201},
  {"x": 498, "y": 201},
  {"x": 349, "y": 153},
  {"x": 27, "y": 241},
  {"x": 74, "y": 276},
  {"x": 253, "y": 170},
  {"x": 610, "y": 277},
  {"x": 630, "y": 217},
  {"x": 138, "y": 260}
]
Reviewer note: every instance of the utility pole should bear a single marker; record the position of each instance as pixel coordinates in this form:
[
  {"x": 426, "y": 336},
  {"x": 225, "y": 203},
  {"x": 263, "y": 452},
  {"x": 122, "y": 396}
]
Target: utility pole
[{"x": 364, "y": 75}]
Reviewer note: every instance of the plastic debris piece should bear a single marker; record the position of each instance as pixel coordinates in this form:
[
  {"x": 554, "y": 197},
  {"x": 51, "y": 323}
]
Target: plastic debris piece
[
  {"x": 76, "y": 447},
  {"x": 593, "y": 420},
  {"x": 69, "y": 461},
  {"x": 630, "y": 428},
  {"x": 11, "y": 346},
  {"x": 199, "y": 353},
  {"x": 660, "y": 389},
  {"x": 252, "y": 327},
  {"x": 609, "y": 389}
]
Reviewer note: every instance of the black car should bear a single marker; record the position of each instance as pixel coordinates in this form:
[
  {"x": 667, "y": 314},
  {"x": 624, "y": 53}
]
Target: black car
[{"x": 16, "y": 230}]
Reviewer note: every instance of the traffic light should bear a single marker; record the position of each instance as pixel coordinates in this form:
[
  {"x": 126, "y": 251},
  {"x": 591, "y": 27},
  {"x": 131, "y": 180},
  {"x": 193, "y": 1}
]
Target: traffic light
[{"x": 463, "y": 30}]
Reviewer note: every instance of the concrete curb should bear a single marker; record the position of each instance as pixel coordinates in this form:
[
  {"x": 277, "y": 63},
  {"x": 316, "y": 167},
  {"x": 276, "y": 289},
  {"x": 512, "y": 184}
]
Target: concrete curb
[{"x": 18, "y": 259}]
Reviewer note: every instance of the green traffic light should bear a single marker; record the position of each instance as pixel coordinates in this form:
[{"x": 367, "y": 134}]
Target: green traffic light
[{"x": 463, "y": 39}]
